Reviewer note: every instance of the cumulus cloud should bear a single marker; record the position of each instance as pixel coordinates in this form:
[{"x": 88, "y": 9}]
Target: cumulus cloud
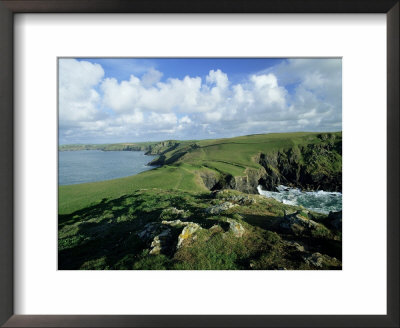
[
  {"x": 292, "y": 96},
  {"x": 151, "y": 77},
  {"x": 78, "y": 98}
]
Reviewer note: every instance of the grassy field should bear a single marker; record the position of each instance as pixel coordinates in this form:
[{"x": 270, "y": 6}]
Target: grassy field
[{"x": 185, "y": 164}]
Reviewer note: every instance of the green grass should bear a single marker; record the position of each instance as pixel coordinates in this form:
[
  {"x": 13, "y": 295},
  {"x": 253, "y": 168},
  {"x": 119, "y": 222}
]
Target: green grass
[
  {"x": 106, "y": 235},
  {"x": 100, "y": 223},
  {"x": 74, "y": 197},
  {"x": 221, "y": 156}
]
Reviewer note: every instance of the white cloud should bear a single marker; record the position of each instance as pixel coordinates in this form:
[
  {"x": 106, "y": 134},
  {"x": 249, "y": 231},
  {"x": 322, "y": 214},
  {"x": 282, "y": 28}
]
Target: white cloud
[
  {"x": 294, "y": 95},
  {"x": 121, "y": 97},
  {"x": 162, "y": 120},
  {"x": 78, "y": 99},
  {"x": 151, "y": 77},
  {"x": 185, "y": 120},
  {"x": 320, "y": 78}
]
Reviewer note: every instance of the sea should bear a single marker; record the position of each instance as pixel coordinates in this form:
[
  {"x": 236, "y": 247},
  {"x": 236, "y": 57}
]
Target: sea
[
  {"x": 317, "y": 201},
  {"x": 95, "y": 165}
]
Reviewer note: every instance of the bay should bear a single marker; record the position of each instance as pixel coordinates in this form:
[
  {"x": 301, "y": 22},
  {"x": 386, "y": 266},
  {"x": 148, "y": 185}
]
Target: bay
[{"x": 95, "y": 165}]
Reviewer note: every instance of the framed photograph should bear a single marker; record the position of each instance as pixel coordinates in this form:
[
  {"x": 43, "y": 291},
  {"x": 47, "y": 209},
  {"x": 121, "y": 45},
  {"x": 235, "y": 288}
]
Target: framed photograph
[
  {"x": 222, "y": 173},
  {"x": 208, "y": 164}
]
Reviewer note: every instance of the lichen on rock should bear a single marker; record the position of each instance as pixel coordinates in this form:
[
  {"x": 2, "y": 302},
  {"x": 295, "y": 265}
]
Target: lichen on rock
[
  {"x": 175, "y": 223},
  {"x": 217, "y": 209},
  {"x": 187, "y": 232},
  {"x": 236, "y": 228}
]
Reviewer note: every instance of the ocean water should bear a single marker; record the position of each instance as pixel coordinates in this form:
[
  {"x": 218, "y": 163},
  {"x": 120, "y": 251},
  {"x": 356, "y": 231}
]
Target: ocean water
[
  {"x": 96, "y": 165},
  {"x": 318, "y": 201}
]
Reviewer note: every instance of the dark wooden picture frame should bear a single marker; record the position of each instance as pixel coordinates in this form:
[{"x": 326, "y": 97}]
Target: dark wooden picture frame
[{"x": 7, "y": 10}]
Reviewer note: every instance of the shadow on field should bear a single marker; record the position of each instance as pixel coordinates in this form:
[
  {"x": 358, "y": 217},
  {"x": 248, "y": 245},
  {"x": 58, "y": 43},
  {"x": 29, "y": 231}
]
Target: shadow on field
[
  {"x": 105, "y": 235},
  {"x": 100, "y": 234}
]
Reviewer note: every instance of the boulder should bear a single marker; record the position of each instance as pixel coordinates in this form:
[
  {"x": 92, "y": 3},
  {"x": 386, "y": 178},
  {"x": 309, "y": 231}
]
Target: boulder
[
  {"x": 299, "y": 224},
  {"x": 149, "y": 231},
  {"x": 217, "y": 209},
  {"x": 175, "y": 223},
  {"x": 236, "y": 228},
  {"x": 315, "y": 259},
  {"x": 187, "y": 233},
  {"x": 159, "y": 242},
  {"x": 155, "y": 246},
  {"x": 294, "y": 245}
]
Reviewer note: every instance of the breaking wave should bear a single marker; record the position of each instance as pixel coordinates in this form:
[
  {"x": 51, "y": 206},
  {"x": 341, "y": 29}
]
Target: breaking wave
[{"x": 317, "y": 201}]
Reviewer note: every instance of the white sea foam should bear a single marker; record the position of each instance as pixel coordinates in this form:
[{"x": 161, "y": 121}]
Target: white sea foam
[{"x": 318, "y": 201}]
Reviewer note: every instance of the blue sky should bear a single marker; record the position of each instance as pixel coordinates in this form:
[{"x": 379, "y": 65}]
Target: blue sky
[
  {"x": 105, "y": 100},
  {"x": 236, "y": 68}
]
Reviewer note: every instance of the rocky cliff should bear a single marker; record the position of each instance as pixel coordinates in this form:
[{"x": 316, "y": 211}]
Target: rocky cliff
[
  {"x": 312, "y": 167},
  {"x": 316, "y": 166}
]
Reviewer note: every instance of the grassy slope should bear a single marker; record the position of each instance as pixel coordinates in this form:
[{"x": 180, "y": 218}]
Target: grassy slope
[
  {"x": 106, "y": 236},
  {"x": 229, "y": 156}
]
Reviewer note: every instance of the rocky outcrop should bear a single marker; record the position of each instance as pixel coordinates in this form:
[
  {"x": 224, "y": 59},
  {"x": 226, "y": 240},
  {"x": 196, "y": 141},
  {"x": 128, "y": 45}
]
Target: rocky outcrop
[
  {"x": 316, "y": 166},
  {"x": 247, "y": 183},
  {"x": 160, "y": 241},
  {"x": 150, "y": 230},
  {"x": 160, "y": 237},
  {"x": 157, "y": 235},
  {"x": 170, "y": 152},
  {"x": 299, "y": 224},
  {"x": 314, "y": 259},
  {"x": 294, "y": 245},
  {"x": 233, "y": 198},
  {"x": 217, "y": 209},
  {"x": 162, "y": 147},
  {"x": 236, "y": 228},
  {"x": 320, "y": 261},
  {"x": 313, "y": 167},
  {"x": 176, "y": 223},
  {"x": 210, "y": 179},
  {"x": 187, "y": 233}
]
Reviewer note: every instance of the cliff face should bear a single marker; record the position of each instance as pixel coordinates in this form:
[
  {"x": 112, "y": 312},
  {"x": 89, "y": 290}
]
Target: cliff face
[
  {"x": 247, "y": 183},
  {"x": 174, "y": 149},
  {"x": 161, "y": 147},
  {"x": 312, "y": 167}
]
